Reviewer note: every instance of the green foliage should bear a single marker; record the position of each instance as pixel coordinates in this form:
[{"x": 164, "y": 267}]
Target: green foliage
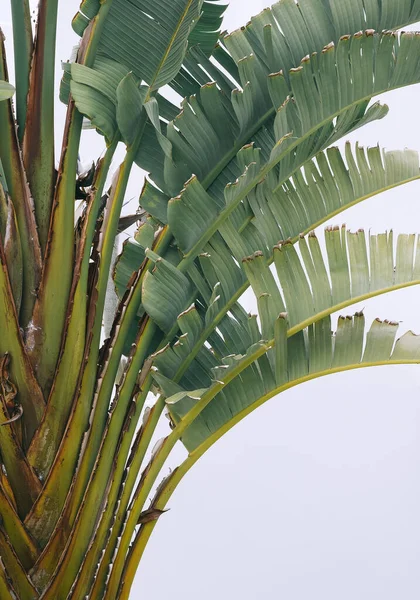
[
  {"x": 239, "y": 175},
  {"x": 6, "y": 90}
]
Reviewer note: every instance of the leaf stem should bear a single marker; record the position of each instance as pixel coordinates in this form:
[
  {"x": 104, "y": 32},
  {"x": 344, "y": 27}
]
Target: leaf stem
[
  {"x": 16, "y": 185},
  {"x": 38, "y": 141},
  {"x": 49, "y": 435},
  {"x": 134, "y": 464},
  {"x": 23, "y": 48},
  {"x": 51, "y": 307}
]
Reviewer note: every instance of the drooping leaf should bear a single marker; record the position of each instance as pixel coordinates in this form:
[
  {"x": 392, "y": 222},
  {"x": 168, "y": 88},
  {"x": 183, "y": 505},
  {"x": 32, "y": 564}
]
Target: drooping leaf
[
  {"x": 298, "y": 134},
  {"x": 357, "y": 271},
  {"x": 130, "y": 100},
  {"x": 132, "y": 257},
  {"x": 326, "y": 186},
  {"x": 240, "y": 389},
  {"x": 164, "y": 287}
]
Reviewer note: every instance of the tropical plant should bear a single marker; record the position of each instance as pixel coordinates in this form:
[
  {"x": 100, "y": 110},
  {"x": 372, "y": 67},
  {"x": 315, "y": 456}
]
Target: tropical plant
[{"x": 239, "y": 178}]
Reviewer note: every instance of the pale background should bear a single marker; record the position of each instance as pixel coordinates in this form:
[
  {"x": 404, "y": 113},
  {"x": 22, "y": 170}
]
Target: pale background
[{"x": 316, "y": 495}]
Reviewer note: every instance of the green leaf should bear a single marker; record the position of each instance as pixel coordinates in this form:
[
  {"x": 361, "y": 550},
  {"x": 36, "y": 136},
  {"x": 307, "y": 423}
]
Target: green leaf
[
  {"x": 299, "y": 133},
  {"x": 132, "y": 257},
  {"x": 154, "y": 202},
  {"x": 99, "y": 110},
  {"x": 206, "y": 32},
  {"x": 242, "y": 383},
  {"x": 130, "y": 100},
  {"x": 165, "y": 292},
  {"x": 6, "y": 90},
  {"x": 329, "y": 184},
  {"x": 305, "y": 292},
  {"x": 149, "y": 38}
]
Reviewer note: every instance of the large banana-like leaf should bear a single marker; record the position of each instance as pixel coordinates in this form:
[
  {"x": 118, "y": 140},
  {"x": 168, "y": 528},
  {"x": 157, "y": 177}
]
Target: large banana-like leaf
[
  {"x": 208, "y": 211},
  {"x": 215, "y": 164},
  {"x": 297, "y": 206},
  {"x": 242, "y": 383},
  {"x": 151, "y": 38},
  {"x": 357, "y": 271},
  {"x": 329, "y": 184},
  {"x": 299, "y": 132},
  {"x": 214, "y": 115},
  {"x": 165, "y": 30}
]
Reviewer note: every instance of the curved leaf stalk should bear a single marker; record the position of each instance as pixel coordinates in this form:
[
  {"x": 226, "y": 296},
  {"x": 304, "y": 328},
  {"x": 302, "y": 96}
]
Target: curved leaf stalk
[
  {"x": 123, "y": 479},
  {"x": 124, "y": 569},
  {"x": 23, "y": 48},
  {"x": 152, "y": 471},
  {"x": 38, "y": 141},
  {"x": 84, "y": 526},
  {"x": 45, "y": 334},
  {"x": 169, "y": 485},
  {"x": 134, "y": 464}
]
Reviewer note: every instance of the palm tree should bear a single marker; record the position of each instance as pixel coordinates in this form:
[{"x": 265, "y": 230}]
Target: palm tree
[{"x": 238, "y": 179}]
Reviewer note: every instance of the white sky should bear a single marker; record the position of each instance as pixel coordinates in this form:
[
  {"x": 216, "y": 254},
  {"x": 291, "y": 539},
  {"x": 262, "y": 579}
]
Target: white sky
[{"x": 316, "y": 494}]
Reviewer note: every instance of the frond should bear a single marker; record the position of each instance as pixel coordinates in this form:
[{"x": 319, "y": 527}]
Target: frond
[{"x": 242, "y": 383}]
